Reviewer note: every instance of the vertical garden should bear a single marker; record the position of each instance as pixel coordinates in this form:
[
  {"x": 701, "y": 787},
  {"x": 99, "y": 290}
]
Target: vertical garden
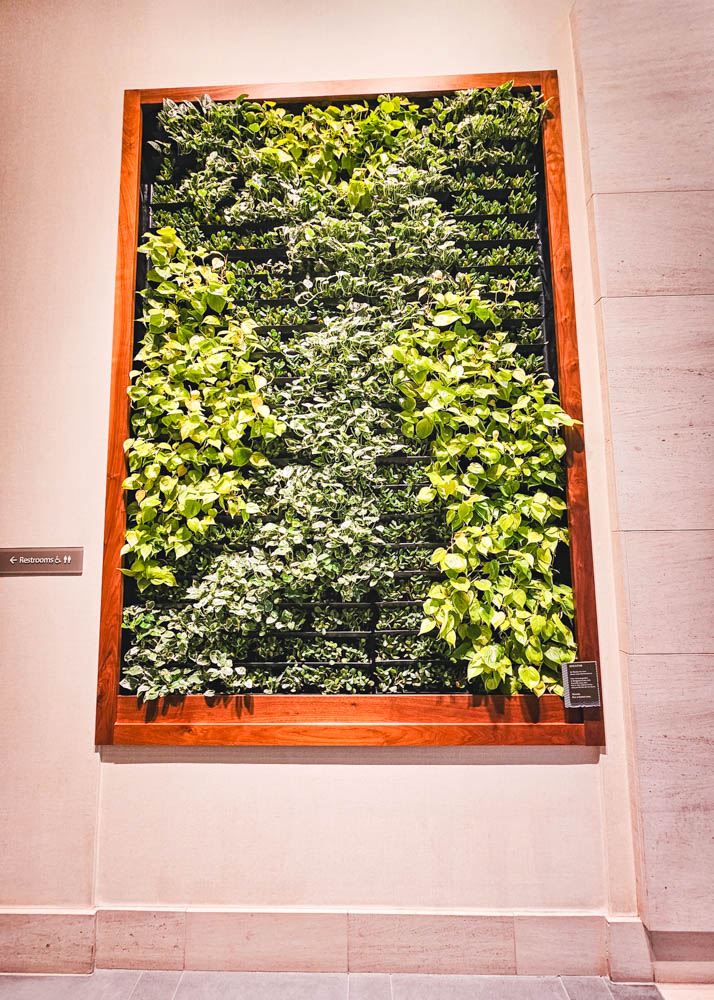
[{"x": 345, "y": 469}]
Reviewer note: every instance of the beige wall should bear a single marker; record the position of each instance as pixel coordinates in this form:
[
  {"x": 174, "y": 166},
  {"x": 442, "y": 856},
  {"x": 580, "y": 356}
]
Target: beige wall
[
  {"x": 648, "y": 123},
  {"x": 520, "y": 829}
]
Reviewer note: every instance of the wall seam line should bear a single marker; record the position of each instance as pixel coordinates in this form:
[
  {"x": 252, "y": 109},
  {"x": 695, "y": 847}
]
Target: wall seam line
[
  {"x": 609, "y": 194},
  {"x": 659, "y": 295},
  {"x": 97, "y": 825},
  {"x": 655, "y": 295}
]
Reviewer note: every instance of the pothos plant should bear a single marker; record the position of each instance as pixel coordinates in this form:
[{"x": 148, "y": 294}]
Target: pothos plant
[
  {"x": 329, "y": 406},
  {"x": 197, "y": 412},
  {"x": 496, "y": 457}
]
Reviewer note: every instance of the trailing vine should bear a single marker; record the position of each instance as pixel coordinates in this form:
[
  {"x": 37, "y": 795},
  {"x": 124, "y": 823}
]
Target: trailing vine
[
  {"x": 197, "y": 412},
  {"x": 329, "y": 405}
]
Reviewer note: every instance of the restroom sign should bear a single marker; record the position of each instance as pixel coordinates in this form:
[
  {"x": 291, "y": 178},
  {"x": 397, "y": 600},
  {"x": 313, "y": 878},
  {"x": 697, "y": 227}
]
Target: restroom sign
[{"x": 61, "y": 561}]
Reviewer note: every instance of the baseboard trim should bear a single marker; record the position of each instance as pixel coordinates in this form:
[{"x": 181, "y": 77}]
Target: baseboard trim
[
  {"x": 329, "y": 940},
  {"x": 683, "y": 956}
]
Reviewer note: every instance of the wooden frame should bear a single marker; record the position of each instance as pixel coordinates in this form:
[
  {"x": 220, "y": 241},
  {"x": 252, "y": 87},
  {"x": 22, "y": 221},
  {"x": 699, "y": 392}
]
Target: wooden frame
[{"x": 344, "y": 719}]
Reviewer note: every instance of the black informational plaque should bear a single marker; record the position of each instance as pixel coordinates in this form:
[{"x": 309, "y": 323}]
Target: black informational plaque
[{"x": 580, "y": 684}]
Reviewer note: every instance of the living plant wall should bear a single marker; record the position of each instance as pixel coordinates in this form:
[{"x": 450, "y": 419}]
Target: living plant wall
[{"x": 346, "y": 462}]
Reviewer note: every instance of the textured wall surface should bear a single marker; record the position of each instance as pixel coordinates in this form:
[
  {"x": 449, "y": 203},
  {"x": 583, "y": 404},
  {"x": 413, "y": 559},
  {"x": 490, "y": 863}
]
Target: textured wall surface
[{"x": 647, "y": 105}]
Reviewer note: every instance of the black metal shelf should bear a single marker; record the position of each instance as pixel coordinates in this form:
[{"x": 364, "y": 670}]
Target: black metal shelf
[
  {"x": 342, "y": 663},
  {"x": 524, "y": 243},
  {"x": 287, "y": 633},
  {"x": 491, "y": 216}
]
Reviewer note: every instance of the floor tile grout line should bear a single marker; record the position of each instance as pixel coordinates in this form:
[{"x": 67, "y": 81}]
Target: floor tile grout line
[
  {"x": 142, "y": 973},
  {"x": 136, "y": 984},
  {"x": 613, "y": 990},
  {"x": 178, "y": 983},
  {"x": 563, "y": 988}
]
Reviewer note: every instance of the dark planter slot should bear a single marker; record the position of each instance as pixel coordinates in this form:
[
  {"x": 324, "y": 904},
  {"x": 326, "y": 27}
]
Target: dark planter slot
[
  {"x": 490, "y": 216},
  {"x": 491, "y": 167},
  {"x": 493, "y": 194},
  {"x": 168, "y": 605},
  {"x": 287, "y": 379},
  {"x": 414, "y": 545},
  {"x": 411, "y": 515},
  {"x": 258, "y": 254},
  {"x": 403, "y": 486},
  {"x": 530, "y": 243},
  {"x": 536, "y": 348},
  {"x": 407, "y": 663},
  {"x": 509, "y": 142},
  {"x": 170, "y": 206},
  {"x": 336, "y": 633},
  {"x": 342, "y": 663},
  {"x": 290, "y": 328},
  {"x": 351, "y": 604},
  {"x": 401, "y": 459},
  {"x": 516, "y": 324},
  {"x": 405, "y": 574},
  {"x": 258, "y": 225},
  {"x": 297, "y": 660},
  {"x": 383, "y": 460},
  {"x": 286, "y": 301},
  {"x": 396, "y": 631},
  {"x": 292, "y": 634},
  {"x": 284, "y": 460},
  {"x": 499, "y": 269},
  {"x": 260, "y": 278}
]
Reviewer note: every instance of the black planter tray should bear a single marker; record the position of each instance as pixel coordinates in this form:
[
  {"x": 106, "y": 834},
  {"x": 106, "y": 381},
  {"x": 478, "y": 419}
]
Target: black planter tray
[{"x": 530, "y": 243}]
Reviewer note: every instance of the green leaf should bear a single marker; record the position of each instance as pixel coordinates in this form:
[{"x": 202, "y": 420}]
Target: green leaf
[
  {"x": 241, "y": 456},
  {"x": 538, "y": 623},
  {"x": 446, "y": 318},
  {"x": 424, "y": 427},
  {"x": 452, "y": 560},
  {"x": 529, "y": 676}
]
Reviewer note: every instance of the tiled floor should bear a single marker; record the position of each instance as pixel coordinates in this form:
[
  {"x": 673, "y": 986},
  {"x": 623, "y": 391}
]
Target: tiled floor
[
  {"x": 127, "y": 985},
  {"x": 679, "y": 991}
]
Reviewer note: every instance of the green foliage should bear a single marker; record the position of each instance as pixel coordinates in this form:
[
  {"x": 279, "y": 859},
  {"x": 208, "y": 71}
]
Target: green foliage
[
  {"x": 496, "y": 460},
  {"x": 197, "y": 412},
  {"x": 274, "y": 403}
]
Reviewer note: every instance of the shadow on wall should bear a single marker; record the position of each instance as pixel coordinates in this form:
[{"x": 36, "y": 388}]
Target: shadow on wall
[{"x": 418, "y": 756}]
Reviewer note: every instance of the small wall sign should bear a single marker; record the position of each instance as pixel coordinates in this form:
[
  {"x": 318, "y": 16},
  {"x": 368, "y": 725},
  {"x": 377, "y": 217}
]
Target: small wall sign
[
  {"x": 42, "y": 562},
  {"x": 581, "y": 685}
]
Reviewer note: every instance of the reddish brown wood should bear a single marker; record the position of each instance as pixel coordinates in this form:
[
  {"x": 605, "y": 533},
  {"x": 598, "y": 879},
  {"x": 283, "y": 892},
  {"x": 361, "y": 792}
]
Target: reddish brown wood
[
  {"x": 114, "y": 514},
  {"x": 342, "y": 719},
  {"x": 581, "y": 555},
  {"x": 327, "y": 89},
  {"x": 344, "y": 734},
  {"x": 466, "y": 709}
]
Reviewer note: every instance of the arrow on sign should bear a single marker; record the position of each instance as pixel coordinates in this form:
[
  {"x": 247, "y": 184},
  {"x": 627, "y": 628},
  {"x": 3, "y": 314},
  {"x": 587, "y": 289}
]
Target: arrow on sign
[{"x": 13, "y": 560}]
